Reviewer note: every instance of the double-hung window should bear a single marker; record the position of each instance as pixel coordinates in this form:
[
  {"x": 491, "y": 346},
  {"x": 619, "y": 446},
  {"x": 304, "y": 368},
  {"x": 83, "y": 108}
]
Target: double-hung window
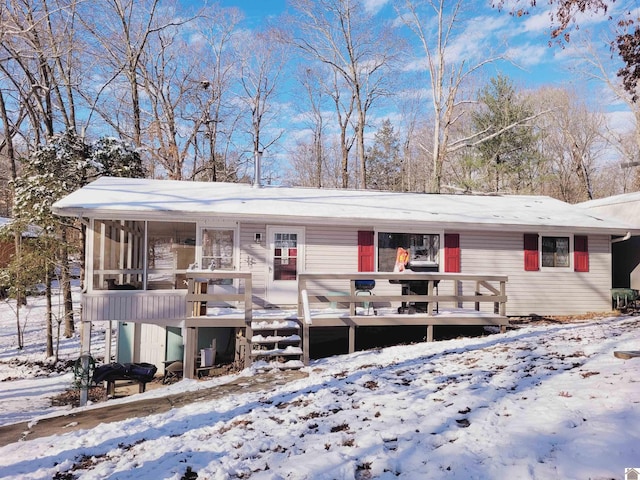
[
  {"x": 217, "y": 249},
  {"x": 555, "y": 252}
]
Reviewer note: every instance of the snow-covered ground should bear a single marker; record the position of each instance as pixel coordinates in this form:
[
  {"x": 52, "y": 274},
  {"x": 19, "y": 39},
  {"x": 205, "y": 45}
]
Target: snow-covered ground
[{"x": 540, "y": 402}]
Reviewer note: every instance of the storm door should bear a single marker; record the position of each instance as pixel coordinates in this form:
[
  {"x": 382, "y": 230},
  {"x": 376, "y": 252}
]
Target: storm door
[{"x": 286, "y": 260}]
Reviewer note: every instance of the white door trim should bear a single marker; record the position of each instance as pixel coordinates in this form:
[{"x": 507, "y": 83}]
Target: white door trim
[{"x": 284, "y": 292}]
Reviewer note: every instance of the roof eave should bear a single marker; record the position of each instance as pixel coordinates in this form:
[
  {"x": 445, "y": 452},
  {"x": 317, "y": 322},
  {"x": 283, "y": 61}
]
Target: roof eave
[{"x": 378, "y": 223}]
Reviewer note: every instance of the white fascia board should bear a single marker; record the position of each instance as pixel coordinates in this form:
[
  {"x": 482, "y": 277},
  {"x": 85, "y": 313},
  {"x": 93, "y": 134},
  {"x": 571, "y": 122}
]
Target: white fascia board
[{"x": 362, "y": 223}]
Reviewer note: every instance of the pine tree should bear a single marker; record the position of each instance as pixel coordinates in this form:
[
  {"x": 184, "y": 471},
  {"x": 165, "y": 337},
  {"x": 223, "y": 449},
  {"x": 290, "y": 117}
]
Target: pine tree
[
  {"x": 61, "y": 166},
  {"x": 508, "y": 152},
  {"x": 384, "y": 160}
]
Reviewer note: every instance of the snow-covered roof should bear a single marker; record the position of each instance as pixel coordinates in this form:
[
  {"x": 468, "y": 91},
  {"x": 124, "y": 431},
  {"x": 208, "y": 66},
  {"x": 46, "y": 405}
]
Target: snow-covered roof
[
  {"x": 126, "y": 198},
  {"x": 624, "y": 207}
]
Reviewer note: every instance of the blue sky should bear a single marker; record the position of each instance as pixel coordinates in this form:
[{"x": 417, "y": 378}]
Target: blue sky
[
  {"x": 533, "y": 61},
  {"x": 525, "y": 39}
]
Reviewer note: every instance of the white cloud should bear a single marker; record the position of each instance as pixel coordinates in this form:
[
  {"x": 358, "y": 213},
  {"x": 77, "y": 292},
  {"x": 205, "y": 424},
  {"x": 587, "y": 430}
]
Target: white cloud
[
  {"x": 621, "y": 121},
  {"x": 527, "y": 55},
  {"x": 537, "y": 23},
  {"x": 374, "y": 6}
]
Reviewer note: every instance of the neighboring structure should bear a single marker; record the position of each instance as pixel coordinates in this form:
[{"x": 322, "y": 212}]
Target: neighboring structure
[
  {"x": 145, "y": 235},
  {"x": 625, "y": 250},
  {"x": 7, "y": 247}
]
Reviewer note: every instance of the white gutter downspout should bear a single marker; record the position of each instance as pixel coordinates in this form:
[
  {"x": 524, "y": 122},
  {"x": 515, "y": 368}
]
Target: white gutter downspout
[{"x": 623, "y": 239}]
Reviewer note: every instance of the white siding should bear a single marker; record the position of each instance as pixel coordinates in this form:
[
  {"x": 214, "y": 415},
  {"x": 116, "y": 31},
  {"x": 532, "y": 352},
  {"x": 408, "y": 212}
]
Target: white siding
[
  {"x": 335, "y": 249},
  {"x": 147, "y": 306},
  {"x": 332, "y": 249},
  {"x": 545, "y": 292},
  {"x": 253, "y": 256}
]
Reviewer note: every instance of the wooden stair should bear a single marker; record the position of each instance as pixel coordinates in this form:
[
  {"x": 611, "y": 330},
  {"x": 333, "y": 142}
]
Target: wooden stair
[{"x": 277, "y": 342}]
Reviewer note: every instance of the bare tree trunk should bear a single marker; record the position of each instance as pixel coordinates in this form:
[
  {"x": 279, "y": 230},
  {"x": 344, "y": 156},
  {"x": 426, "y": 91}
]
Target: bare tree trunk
[
  {"x": 65, "y": 280},
  {"x": 344, "y": 149},
  {"x": 8, "y": 137},
  {"x": 361, "y": 151},
  {"x": 49, "y": 311}
]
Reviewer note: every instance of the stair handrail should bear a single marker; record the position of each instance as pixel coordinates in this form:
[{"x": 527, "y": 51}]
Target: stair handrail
[{"x": 306, "y": 310}]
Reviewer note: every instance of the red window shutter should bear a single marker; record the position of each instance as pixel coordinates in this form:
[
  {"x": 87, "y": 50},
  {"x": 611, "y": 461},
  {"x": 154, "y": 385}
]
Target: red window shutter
[
  {"x": 580, "y": 253},
  {"x": 531, "y": 257},
  {"x": 452, "y": 252},
  {"x": 365, "y": 252}
]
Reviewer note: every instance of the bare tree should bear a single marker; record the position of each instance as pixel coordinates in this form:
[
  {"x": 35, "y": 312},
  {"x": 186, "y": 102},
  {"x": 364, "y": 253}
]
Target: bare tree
[
  {"x": 121, "y": 31},
  {"x": 412, "y": 169},
  {"x": 171, "y": 83},
  {"x": 40, "y": 66},
  {"x": 572, "y": 139},
  {"x": 437, "y": 25},
  {"x": 219, "y": 69},
  {"x": 344, "y": 36},
  {"x": 261, "y": 69},
  {"x": 595, "y": 63},
  {"x": 314, "y": 96}
]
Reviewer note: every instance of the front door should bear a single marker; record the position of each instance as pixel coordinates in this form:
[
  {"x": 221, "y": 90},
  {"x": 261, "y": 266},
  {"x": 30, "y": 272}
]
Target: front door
[{"x": 286, "y": 260}]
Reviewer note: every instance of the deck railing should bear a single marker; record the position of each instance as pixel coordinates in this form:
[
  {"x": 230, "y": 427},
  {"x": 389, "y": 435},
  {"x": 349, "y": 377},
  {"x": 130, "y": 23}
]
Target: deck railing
[
  {"x": 319, "y": 289},
  {"x": 204, "y": 287},
  {"x": 322, "y": 290},
  {"x": 484, "y": 291}
]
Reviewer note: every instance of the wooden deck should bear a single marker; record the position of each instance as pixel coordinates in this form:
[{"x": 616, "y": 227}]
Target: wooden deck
[
  {"x": 324, "y": 300},
  {"x": 285, "y": 333}
]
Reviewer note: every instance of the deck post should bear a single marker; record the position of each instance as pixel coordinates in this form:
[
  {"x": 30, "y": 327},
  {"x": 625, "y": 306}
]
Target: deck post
[
  {"x": 352, "y": 305},
  {"x": 248, "y": 319},
  {"x": 429, "y": 333},
  {"x": 477, "y": 293},
  {"x": 352, "y": 338},
  {"x": 430, "y": 293},
  {"x": 305, "y": 343},
  {"x": 302, "y": 286},
  {"x": 190, "y": 344}
]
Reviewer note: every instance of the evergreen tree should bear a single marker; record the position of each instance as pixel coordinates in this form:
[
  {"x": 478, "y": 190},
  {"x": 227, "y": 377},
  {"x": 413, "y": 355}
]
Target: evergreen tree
[
  {"x": 384, "y": 160},
  {"x": 509, "y": 149},
  {"x": 56, "y": 169}
]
